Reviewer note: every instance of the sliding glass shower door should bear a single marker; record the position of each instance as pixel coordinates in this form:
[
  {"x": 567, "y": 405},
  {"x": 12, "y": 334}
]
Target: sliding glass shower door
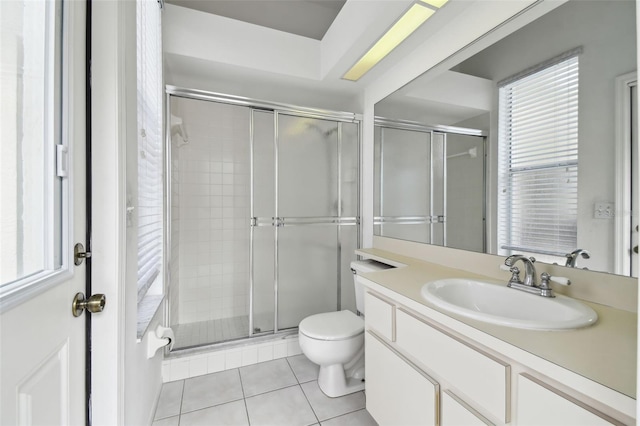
[
  {"x": 263, "y": 206},
  {"x": 311, "y": 219}
]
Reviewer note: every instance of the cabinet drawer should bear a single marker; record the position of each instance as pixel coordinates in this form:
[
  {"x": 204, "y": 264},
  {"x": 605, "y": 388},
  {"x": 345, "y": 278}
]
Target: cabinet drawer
[
  {"x": 481, "y": 379},
  {"x": 539, "y": 403},
  {"x": 456, "y": 412},
  {"x": 379, "y": 315},
  {"x": 397, "y": 392}
]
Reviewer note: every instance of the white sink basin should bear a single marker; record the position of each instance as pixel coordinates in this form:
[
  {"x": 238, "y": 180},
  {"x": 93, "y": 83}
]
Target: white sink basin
[{"x": 499, "y": 304}]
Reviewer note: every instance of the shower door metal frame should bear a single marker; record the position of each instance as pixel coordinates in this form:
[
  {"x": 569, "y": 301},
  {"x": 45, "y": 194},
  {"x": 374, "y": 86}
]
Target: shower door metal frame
[
  {"x": 390, "y": 123},
  {"x": 276, "y": 221}
]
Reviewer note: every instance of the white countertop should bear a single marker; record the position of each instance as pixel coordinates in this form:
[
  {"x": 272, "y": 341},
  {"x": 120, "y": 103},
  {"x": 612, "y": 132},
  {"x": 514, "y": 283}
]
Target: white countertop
[{"x": 604, "y": 352}]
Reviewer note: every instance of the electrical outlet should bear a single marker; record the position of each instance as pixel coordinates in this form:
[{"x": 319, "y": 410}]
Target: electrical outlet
[{"x": 603, "y": 210}]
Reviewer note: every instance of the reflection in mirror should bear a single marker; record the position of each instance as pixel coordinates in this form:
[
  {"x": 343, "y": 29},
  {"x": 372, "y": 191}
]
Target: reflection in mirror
[
  {"x": 451, "y": 143},
  {"x": 443, "y": 189}
]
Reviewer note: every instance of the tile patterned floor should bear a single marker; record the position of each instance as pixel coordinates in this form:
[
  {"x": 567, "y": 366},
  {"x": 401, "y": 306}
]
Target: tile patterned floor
[{"x": 280, "y": 392}]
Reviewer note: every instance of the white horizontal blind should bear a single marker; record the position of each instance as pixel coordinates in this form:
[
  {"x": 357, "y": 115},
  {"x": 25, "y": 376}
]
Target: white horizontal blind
[
  {"x": 150, "y": 152},
  {"x": 538, "y": 161}
]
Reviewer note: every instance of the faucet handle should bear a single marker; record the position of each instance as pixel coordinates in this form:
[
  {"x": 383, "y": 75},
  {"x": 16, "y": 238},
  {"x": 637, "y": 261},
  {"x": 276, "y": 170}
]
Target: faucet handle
[
  {"x": 560, "y": 280},
  {"x": 515, "y": 273},
  {"x": 545, "y": 289},
  {"x": 545, "y": 278}
]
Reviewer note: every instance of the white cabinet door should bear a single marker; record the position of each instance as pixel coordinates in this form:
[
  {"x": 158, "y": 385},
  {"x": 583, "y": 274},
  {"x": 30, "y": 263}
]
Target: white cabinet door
[
  {"x": 483, "y": 379},
  {"x": 456, "y": 412},
  {"x": 380, "y": 316},
  {"x": 397, "y": 393},
  {"x": 539, "y": 404}
]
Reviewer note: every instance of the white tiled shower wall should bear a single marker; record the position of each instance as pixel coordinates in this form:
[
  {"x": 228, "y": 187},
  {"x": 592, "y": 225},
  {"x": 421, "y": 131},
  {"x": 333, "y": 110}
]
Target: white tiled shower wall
[{"x": 214, "y": 212}]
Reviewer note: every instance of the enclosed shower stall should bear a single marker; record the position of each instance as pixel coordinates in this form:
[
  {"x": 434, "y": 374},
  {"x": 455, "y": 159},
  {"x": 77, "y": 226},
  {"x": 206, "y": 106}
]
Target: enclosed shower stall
[
  {"x": 429, "y": 184},
  {"x": 263, "y": 213}
]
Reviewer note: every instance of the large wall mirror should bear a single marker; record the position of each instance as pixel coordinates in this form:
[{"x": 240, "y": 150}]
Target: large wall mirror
[{"x": 523, "y": 147}]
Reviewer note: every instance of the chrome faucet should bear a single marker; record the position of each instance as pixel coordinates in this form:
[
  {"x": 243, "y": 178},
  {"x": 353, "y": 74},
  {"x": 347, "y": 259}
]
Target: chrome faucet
[
  {"x": 529, "y": 282},
  {"x": 573, "y": 257},
  {"x": 529, "y": 269}
]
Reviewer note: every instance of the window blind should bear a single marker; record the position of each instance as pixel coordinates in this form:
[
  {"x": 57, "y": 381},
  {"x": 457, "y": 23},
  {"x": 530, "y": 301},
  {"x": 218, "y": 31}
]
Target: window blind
[
  {"x": 538, "y": 160},
  {"x": 150, "y": 151}
]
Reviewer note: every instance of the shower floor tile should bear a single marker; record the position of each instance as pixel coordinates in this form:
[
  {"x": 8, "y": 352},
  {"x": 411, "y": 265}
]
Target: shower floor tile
[
  {"x": 212, "y": 331},
  {"x": 293, "y": 400}
]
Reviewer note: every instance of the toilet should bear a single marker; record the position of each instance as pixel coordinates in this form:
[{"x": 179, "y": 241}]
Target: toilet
[{"x": 335, "y": 341}]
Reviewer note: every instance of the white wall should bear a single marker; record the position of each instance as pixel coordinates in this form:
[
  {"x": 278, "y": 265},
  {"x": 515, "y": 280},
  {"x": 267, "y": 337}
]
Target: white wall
[
  {"x": 142, "y": 376},
  {"x": 607, "y": 33},
  {"x": 219, "y": 39},
  {"x": 125, "y": 384}
]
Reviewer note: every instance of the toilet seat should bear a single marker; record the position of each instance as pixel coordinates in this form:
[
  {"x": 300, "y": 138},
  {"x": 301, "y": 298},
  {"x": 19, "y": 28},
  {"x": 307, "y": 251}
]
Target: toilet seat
[{"x": 339, "y": 325}]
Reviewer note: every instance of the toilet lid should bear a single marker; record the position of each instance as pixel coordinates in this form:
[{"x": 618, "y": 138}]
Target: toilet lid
[{"x": 332, "y": 325}]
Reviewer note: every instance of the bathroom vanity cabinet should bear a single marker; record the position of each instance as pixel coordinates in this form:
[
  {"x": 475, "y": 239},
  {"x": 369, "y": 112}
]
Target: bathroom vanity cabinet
[{"x": 421, "y": 368}]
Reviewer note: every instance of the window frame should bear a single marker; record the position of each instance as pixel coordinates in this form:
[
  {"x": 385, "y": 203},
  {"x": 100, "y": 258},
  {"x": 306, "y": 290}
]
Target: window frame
[
  {"x": 506, "y": 172},
  {"x": 58, "y": 191}
]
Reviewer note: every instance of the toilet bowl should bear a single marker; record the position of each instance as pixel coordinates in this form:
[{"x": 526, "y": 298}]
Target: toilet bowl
[{"x": 335, "y": 341}]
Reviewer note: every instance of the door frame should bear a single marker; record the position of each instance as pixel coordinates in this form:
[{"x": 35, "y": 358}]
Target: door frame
[
  {"x": 113, "y": 122},
  {"x": 622, "y": 223}
]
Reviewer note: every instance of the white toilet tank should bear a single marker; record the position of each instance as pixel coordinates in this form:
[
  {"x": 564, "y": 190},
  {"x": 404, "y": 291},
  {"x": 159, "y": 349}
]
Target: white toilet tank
[{"x": 358, "y": 267}]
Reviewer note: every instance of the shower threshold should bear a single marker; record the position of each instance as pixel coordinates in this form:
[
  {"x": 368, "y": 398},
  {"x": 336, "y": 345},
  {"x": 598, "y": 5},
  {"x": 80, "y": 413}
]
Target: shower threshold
[
  {"x": 225, "y": 332},
  {"x": 211, "y": 331}
]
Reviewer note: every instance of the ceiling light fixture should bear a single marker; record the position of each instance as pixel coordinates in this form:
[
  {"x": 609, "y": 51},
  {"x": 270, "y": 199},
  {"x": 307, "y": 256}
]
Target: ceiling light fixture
[
  {"x": 435, "y": 3},
  {"x": 403, "y": 28}
]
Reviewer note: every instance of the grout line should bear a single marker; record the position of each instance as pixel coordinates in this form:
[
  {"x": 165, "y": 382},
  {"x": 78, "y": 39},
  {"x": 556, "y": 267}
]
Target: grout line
[
  {"x": 292, "y": 370},
  {"x": 310, "y": 404},
  {"x": 271, "y": 391},
  {"x": 299, "y": 384},
  {"x": 212, "y": 406},
  {"x": 345, "y": 414},
  {"x": 241, "y": 384},
  {"x": 244, "y": 398},
  {"x": 218, "y": 404},
  {"x": 246, "y": 410},
  {"x": 181, "y": 401}
]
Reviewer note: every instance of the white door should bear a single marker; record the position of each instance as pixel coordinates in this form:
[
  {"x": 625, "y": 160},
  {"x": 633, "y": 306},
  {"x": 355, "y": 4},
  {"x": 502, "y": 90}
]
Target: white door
[
  {"x": 635, "y": 183},
  {"x": 42, "y": 352}
]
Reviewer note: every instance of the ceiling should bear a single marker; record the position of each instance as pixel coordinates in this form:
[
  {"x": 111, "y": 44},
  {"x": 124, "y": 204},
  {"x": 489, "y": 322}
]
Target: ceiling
[
  {"x": 259, "y": 62},
  {"x": 307, "y": 18}
]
